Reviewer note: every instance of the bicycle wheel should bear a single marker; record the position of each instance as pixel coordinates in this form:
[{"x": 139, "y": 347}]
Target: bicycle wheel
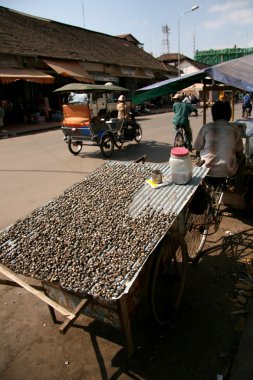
[
  {"x": 196, "y": 232},
  {"x": 75, "y": 147},
  {"x": 167, "y": 282}
]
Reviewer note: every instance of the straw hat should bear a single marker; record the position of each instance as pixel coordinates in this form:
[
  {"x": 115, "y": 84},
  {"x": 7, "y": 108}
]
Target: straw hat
[{"x": 177, "y": 96}]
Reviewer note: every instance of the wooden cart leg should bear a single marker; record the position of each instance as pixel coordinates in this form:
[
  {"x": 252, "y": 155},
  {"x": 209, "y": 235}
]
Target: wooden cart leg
[
  {"x": 77, "y": 311},
  {"x": 126, "y": 325}
]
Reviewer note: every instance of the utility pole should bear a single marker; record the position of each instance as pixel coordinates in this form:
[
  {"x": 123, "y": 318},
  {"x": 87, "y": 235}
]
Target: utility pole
[
  {"x": 194, "y": 43},
  {"x": 83, "y": 14}
]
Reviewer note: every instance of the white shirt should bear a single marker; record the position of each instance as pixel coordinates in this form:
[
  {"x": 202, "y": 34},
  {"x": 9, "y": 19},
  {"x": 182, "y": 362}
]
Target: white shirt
[{"x": 218, "y": 143}]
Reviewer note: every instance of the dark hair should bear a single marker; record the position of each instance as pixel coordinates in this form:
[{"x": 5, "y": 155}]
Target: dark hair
[{"x": 221, "y": 110}]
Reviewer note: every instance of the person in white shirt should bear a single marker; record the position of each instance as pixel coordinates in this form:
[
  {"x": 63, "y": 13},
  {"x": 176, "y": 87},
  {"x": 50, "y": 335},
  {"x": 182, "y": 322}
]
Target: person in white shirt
[{"x": 219, "y": 144}]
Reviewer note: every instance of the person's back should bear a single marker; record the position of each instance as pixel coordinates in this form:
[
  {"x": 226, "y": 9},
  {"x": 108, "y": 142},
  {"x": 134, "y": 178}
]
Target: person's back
[
  {"x": 182, "y": 112},
  {"x": 181, "y": 118},
  {"x": 220, "y": 143}
]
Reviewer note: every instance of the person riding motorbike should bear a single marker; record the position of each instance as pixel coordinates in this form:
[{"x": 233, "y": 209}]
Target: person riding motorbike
[{"x": 124, "y": 113}]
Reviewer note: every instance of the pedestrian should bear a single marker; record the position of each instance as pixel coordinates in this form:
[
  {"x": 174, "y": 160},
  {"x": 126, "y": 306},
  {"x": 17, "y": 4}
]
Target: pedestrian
[
  {"x": 181, "y": 118},
  {"x": 219, "y": 143},
  {"x": 246, "y": 105}
]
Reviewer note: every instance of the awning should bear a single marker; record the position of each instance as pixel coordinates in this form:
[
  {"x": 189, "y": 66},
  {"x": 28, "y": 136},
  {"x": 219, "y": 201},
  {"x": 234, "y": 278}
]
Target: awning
[
  {"x": 9, "y": 75},
  {"x": 70, "y": 69},
  {"x": 82, "y": 87},
  {"x": 167, "y": 86},
  {"x": 236, "y": 73}
]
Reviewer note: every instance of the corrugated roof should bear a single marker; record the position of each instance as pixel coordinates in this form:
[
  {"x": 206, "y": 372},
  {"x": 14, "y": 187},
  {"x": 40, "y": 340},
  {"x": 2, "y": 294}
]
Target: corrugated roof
[{"x": 25, "y": 35}]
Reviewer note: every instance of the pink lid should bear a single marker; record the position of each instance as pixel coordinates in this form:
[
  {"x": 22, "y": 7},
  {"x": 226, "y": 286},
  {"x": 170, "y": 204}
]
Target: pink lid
[{"x": 179, "y": 151}]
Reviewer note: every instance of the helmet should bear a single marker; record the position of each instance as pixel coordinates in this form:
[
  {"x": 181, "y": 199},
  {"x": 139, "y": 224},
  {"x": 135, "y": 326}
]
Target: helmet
[{"x": 122, "y": 98}]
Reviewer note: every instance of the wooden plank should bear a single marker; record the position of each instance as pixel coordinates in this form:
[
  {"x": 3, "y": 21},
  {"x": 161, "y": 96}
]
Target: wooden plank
[
  {"x": 77, "y": 311},
  {"x": 8, "y": 273}
]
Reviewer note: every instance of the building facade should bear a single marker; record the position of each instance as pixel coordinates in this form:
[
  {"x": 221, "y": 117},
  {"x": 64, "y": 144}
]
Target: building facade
[{"x": 39, "y": 55}]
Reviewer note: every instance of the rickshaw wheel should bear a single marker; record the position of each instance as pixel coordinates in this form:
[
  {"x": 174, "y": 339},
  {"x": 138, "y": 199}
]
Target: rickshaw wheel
[
  {"x": 75, "y": 147},
  {"x": 107, "y": 145},
  {"x": 167, "y": 281},
  {"x": 138, "y": 134}
]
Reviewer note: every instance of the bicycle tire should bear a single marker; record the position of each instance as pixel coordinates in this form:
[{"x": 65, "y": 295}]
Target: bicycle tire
[
  {"x": 167, "y": 282},
  {"x": 196, "y": 232}
]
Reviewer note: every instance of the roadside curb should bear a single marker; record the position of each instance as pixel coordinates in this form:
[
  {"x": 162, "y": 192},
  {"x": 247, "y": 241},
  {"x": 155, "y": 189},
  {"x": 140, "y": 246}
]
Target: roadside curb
[{"x": 4, "y": 134}]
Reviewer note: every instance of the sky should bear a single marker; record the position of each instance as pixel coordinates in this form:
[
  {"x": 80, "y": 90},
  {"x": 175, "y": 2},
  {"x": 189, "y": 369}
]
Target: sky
[{"x": 214, "y": 25}]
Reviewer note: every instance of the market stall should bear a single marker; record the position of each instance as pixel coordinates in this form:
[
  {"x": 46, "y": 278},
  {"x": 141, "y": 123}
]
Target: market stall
[{"x": 94, "y": 246}]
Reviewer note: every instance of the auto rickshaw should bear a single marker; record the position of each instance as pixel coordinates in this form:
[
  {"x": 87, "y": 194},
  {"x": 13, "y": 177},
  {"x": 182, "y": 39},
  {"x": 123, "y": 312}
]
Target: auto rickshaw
[{"x": 90, "y": 118}]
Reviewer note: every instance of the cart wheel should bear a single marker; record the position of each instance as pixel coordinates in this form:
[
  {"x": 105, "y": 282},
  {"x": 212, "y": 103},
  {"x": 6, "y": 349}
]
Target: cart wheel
[
  {"x": 75, "y": 147},
  {"x": 138, "y": 134},
  {"x": 167, "y": 282},
  {"x": 196, "y": 233},
  {"x": 107, "y": 145}
]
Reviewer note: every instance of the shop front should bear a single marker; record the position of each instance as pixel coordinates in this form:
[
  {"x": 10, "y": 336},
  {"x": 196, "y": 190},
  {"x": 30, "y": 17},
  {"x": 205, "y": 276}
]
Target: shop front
[{"x": 20, "y": 90}]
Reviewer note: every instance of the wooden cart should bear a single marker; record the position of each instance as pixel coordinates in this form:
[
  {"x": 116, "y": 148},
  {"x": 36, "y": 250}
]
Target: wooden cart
[{"x": 169, "y": 246}]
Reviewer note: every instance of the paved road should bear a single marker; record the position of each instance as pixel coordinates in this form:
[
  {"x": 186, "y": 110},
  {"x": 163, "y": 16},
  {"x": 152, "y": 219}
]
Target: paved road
[{"x": 38, "y": 167}]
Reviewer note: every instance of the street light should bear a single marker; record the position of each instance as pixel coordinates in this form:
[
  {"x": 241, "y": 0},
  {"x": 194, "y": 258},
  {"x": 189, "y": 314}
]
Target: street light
[{"x": 178, "y": 30}]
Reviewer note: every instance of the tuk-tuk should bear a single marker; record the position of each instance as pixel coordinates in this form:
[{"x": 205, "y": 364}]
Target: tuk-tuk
[{"x": 90, "y": 117}]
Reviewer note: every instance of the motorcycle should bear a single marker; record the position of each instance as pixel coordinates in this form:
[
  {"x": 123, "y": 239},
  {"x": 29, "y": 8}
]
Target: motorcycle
[{"x": 130, "y": 131}]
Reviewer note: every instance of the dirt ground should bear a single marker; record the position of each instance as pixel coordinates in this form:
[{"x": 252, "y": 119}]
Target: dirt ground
[{"x": 201, "y": 342}]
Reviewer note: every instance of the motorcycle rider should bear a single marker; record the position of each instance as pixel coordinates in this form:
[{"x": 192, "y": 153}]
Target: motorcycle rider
[{"x": 123, "y": 112}]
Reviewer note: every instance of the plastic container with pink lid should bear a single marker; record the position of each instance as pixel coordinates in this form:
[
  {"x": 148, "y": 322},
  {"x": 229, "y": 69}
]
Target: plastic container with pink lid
[{"x": 180, "y": 165}]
